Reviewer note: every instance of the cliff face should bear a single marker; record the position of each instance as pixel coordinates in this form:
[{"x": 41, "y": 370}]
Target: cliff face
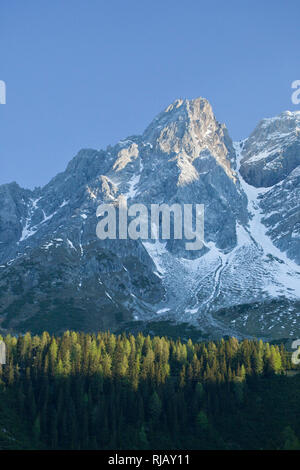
[
  {"x": 272, "y": 151},
  {"x": 271, "y": 159}
]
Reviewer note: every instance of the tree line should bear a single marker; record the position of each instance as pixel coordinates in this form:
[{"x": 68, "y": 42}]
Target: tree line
[{"x": 106, "y": 391}]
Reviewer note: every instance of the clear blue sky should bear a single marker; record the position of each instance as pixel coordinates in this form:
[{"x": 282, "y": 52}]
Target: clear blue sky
[{"x": 87, "y": 73}]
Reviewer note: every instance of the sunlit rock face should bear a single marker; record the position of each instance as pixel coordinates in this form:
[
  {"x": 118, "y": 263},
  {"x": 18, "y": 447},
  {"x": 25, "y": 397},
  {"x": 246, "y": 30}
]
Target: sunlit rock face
[{"x": 188, "y": 130}]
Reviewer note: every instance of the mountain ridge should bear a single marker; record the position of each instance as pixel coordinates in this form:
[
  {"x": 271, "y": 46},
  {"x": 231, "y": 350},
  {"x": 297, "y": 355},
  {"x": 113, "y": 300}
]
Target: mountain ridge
[{"x": 54, "y": 271}]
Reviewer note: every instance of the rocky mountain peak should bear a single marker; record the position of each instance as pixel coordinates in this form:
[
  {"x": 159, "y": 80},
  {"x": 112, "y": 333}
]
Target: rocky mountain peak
[
  {"x": 188, "y": 130},
  {"x": 278, "y": 128},
  {"x": 272, "y": 151}
]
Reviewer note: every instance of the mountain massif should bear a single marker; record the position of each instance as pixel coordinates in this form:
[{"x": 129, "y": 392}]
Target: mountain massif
[{"x": 55, "y": 274}]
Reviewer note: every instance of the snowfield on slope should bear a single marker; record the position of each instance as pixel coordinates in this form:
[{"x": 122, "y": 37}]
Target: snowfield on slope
[{"x": 253, "y": 271}]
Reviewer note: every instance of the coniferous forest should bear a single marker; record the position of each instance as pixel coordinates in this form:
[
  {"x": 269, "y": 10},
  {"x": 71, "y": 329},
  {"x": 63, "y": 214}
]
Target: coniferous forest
[{"x": 102, "y": 391}]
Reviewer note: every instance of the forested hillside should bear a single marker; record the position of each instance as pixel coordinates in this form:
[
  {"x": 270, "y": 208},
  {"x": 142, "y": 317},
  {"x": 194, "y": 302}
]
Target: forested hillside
[{"x": 88, "y": 391}]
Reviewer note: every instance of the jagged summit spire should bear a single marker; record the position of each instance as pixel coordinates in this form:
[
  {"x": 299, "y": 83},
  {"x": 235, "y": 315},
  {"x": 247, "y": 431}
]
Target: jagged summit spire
[
  {"x": 184, "y": 109},
  {"x": 188, "y": 104},
  {"x": 188, "y": 129},
  {"x": 193, "y": 116}
]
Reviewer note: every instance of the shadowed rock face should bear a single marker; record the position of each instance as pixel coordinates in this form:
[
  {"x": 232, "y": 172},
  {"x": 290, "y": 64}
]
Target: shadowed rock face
[
  {"x": 271, "y": 159},
  {"x": 272, "y": 151},
  {"x": 12, "y": 200},
  {"x": 56, "y": 274}
]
